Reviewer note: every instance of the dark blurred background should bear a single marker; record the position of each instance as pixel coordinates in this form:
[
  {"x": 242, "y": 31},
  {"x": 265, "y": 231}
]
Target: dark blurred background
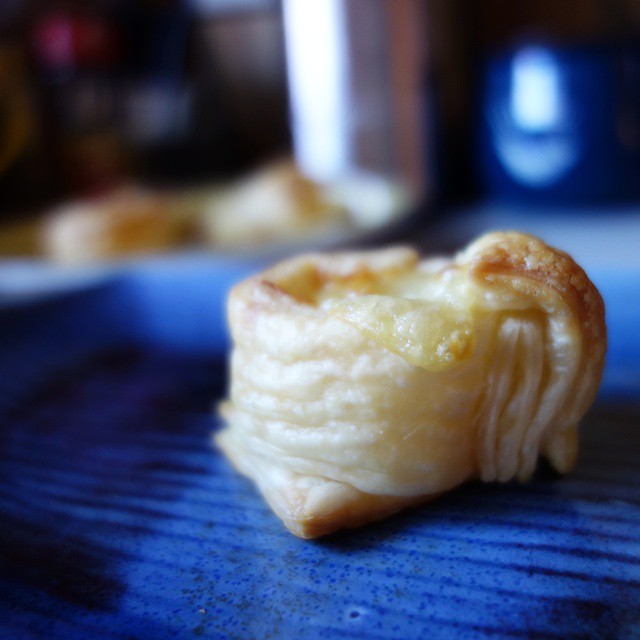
[{"x": 94, "y": 93}]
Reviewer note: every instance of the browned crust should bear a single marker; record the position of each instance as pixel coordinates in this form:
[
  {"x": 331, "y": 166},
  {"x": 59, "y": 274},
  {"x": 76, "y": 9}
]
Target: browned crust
[
  {"x": 551, "y": 278},
  {"x": 536, "y": 269},
  {"x": 352, "y": 514}
]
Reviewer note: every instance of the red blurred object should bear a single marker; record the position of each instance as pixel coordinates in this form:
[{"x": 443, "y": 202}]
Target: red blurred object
[
  {"x": 75, "y": 49},
  {"x": 64, "y": 41}
]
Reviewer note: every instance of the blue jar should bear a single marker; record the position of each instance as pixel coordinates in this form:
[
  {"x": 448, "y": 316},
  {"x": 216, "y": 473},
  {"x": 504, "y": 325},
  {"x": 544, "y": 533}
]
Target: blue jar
[{"x": 561, "y": 124}]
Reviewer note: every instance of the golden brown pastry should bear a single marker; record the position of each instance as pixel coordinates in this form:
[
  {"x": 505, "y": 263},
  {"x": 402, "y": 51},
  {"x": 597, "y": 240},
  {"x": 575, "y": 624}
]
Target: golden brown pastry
[
  {"x": 275, "y": 204},
  {"x": 20, "y": 239},
  {"x": 127, "y": 222},
  {"x": 363, "y": 383}
]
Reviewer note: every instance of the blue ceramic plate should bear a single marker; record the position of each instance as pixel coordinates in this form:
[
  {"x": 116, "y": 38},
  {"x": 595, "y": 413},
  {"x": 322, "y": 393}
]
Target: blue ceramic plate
[{"x": 120, "y": 520}]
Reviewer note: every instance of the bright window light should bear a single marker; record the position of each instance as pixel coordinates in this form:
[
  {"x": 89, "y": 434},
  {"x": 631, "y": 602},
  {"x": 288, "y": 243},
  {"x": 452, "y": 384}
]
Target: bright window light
[
  {"x": 318, "y": 86},
  {"x": 536, "y": 100}
]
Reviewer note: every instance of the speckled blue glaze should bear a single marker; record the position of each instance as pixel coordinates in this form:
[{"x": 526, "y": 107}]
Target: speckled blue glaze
[{"x": 119, "y": 519}]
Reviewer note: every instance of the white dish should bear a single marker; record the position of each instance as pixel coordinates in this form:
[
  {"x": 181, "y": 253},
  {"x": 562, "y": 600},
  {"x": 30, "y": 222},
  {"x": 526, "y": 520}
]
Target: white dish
[{"x": 24, "y": 281}]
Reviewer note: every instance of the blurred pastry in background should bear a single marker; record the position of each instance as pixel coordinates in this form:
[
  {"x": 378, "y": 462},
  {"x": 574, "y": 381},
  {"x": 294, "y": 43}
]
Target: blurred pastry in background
[
  {"x": 275, "y": 204},
  {"x": 129, "y": 221},
  {"x": 21, "y": 239}
]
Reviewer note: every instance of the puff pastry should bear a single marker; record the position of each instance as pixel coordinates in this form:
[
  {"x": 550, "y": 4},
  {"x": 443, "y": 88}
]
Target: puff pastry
[
  {"x": 276, "y": 203},
  {"x": 126, "y": 222},
  {"x": 364, "y": 383}
]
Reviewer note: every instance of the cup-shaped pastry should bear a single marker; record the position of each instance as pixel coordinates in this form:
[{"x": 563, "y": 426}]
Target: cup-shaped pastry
[{"x": 363, "y": 383}]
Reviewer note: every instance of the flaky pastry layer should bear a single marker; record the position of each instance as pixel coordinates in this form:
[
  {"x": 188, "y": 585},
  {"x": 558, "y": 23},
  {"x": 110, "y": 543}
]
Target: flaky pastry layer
[{"x": 363, "y": 383}]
